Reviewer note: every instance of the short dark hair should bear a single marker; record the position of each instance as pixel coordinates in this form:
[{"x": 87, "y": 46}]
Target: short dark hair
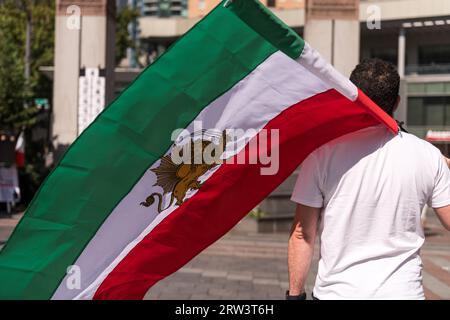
[{"x": 379, "y": 80}]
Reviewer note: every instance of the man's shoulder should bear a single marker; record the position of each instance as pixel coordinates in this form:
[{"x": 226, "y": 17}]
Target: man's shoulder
[
  {"x": 375, "y": 138},
  {"x": 352, "y": 139},
  {"x": 411, "y": 140}
]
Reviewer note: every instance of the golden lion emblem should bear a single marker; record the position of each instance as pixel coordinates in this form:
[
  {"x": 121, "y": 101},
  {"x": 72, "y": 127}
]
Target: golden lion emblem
[{"x": 178, "y": 179}]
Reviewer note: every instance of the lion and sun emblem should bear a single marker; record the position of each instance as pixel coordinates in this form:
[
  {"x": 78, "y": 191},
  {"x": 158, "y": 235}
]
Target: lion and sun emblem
[{"x": 178, "y": 179}]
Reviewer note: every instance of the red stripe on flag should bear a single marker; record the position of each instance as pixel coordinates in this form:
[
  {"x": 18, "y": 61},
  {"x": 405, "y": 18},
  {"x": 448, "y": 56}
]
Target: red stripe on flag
[
  {"x": 376, "y": 111},
  {"x": 230, "y": 193}
]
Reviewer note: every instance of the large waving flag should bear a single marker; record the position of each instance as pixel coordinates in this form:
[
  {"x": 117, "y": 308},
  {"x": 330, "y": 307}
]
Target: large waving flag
[{"x": 120, "y": 213}]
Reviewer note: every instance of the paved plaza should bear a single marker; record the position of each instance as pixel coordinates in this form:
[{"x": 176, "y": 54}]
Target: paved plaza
[
  {"x": 254, "y": 266},
  {"x": 245, "y": 265}
]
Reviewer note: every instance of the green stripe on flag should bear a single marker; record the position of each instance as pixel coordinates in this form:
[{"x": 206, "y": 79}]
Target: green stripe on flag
[
  {"x": 108, "y": 159},
  {"x": 263, "y": 21}
]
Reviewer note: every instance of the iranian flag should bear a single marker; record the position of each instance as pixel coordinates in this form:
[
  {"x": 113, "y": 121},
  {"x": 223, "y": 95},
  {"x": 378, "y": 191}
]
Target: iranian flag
[{"x": 118, "y": 214}]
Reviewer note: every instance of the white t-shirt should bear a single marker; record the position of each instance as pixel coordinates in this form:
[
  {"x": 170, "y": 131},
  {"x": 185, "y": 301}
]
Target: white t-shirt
[{"x": 372, "y": 186}]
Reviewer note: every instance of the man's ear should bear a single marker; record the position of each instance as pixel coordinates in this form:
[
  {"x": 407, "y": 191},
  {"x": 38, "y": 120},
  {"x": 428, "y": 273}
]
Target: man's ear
[{"x": 397, "y": 103}]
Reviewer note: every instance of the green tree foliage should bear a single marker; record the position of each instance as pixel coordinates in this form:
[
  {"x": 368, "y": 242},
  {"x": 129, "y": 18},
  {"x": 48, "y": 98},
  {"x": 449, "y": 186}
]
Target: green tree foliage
[
  {"x": 124, "y": 17},
  {"x": 16, "y": 111},
  {"x": 12, "y": 80},
  {"x": 17, "y": 91}
]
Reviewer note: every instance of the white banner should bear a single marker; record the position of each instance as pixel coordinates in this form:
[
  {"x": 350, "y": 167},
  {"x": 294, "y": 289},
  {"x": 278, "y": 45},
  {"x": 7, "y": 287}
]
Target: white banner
[{"x": 91, "y": 97}]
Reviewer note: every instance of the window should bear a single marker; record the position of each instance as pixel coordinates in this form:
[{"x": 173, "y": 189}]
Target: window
[
  {"x": 429, "y": 111},
  {"x": 416, "y": 88},
  {"x": 415, "y": 112},
  {"x": 386, "y": 54},
  {"x": 434, "y": 54},
  {"x": 447, "y": 113},
  {"x": 434, "y": 111},
  {"x": 434, "y": 59},
  {"x": 434, "y": 88},
  {"x": 437, "y": 88},
  {"x": 164, "y": 8}
]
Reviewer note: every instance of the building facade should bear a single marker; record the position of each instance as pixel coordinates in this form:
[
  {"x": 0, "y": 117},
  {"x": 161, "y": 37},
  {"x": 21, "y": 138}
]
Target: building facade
[
  {"x": 199, "y": 8},
  {"x": 412, "y": 34}
]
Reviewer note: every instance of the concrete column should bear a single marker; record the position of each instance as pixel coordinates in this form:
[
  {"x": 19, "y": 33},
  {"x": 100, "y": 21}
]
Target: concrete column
[
  {"x": 97, "y": 47},
  {"x": 402, "y": 111},
  {"x": 401, "y": 114},
  {"x": 346, "y": 45},
  {"x": 333, "y": 29},
  {"x": 65, "y": 79},
  {"x": 401, "y": 52},
  {"x": 84, "y": 38},
  {"x": 319, "y": 34}
]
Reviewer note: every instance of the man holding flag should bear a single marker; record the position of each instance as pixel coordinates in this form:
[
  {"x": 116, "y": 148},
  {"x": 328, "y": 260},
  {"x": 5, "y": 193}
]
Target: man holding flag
[
  {"x": 117, "y": 214},
  {"x": 365, "y": 191}
]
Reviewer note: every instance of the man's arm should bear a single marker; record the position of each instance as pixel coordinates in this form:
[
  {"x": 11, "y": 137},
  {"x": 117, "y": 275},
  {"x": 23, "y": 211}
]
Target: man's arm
[
  {"x": 444, "y": 215},
  {"x": 301, "y": 247},
  {"x": 441, "y": 193}
]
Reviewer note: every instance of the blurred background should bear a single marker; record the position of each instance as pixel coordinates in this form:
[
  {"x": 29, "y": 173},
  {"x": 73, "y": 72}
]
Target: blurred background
[{"x": 63, "y": 61}]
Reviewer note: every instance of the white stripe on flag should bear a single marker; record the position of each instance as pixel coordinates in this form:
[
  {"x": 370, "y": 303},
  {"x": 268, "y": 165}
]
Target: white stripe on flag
[{"x": 276, "y": 84}]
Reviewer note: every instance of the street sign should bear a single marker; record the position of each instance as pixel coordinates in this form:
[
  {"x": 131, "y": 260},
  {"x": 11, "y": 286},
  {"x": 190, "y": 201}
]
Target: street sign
[{"x": 42, "y": 103}]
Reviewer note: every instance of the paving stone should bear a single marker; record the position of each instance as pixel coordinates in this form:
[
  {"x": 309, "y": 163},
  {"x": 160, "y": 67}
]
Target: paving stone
[
  {"x": 191, "y": 271},
  {"x": 174, "y": 296},
  {"x": 185, "y": 283},
  {"x": 266, "y": 281},
  {"x": 200, "y": 296},
  {"x": 269, "y": 275},
  {"x": 254, "y": 266},
  {"x": 244, "y": 295},
  {"x": 214, "y": 274},
  {"x": 241, "y": 277},
  {"x": 227, "y": 293}
]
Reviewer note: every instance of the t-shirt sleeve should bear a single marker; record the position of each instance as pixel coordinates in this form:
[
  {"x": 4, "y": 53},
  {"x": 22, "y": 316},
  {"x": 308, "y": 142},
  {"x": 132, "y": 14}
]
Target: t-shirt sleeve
[
  {"x": 307, "y": 189},
  {"x": 441, "y": 191}
]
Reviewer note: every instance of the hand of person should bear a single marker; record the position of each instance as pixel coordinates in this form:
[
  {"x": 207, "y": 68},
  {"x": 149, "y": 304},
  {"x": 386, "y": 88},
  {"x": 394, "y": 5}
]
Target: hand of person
[{"x": 301, "y": 296}]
